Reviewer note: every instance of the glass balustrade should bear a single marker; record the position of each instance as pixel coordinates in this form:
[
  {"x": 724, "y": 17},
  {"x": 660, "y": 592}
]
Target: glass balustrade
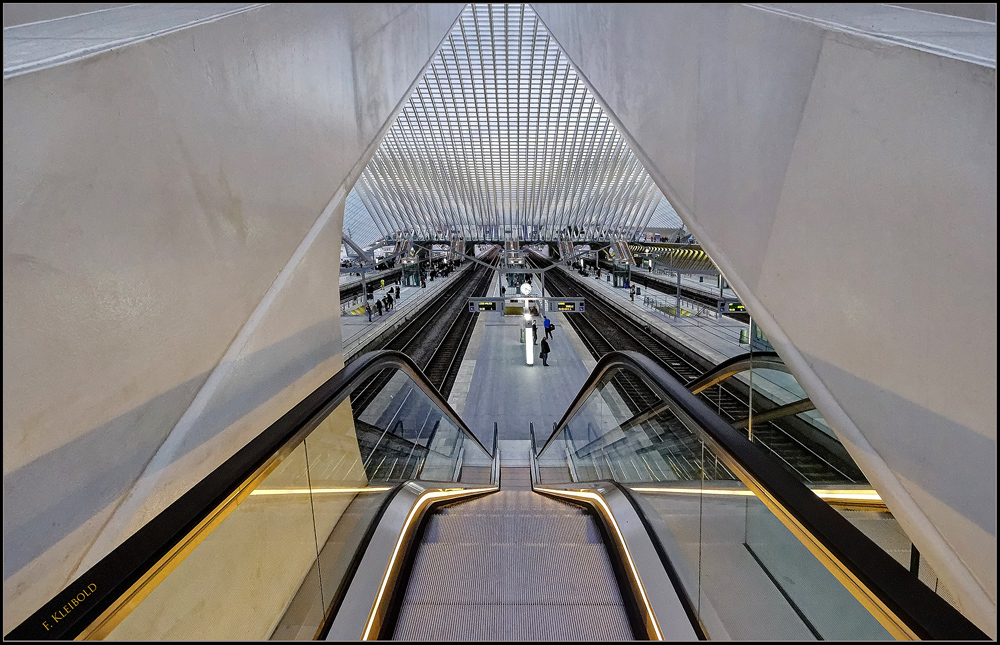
[
  {"x": 270, "y": 549},
  {"x": 751, "y": 563}
]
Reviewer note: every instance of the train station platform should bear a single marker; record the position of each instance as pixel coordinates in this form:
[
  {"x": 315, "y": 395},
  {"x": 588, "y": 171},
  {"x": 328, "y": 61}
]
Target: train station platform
[
  {"x": 703, "y": 284},
  {"x": 495, "y": 383},
  {"x": 357, "y": 331}
]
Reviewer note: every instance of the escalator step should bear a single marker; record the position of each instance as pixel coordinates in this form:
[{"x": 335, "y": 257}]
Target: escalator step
[
  {"x": 512, "y": 565},
  {"x": 435, "y": 622},
  {"x": 505, "y": 528},
  {"x": 513, "y": 574}
]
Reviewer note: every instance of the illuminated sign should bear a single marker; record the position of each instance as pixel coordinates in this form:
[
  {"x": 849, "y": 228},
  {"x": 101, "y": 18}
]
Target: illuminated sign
[
  {"x": 733, "y": 307},
  {"x": 564, "y": 305},
  {"x": 487, "y": 306}
]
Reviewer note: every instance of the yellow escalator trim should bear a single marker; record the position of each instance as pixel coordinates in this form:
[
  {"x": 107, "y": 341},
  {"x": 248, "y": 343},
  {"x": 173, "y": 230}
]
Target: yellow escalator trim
[{"x": 652, "y": 624}]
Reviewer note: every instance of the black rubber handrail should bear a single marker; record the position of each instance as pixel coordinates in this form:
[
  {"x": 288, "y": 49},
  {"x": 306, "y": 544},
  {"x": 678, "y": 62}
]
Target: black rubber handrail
[
  {"x": 735, "y": 365},
  {"x": 926, "y": 614},
  {"x": 742, "y": 363},
  {"x": 107, "y": 580}
]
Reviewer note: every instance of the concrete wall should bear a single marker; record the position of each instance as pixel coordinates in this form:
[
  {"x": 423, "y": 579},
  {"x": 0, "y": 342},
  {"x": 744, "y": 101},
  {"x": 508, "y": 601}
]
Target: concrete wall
[
  {"x": 846, "y": 186},
  {"x": 19, "y": 13},
  {"x": 171, "y": 235},
  {"x": 973, "y": 10}
]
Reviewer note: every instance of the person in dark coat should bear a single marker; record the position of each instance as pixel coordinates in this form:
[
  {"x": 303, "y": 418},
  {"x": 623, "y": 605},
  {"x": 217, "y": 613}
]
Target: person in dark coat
[
  {"x": 534, "y": 332},
  {"x": 543, "y": 352}
]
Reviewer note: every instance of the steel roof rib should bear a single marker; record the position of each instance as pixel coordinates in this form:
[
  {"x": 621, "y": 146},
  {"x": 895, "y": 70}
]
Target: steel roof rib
[
  {"x": 502, "y": 132},
  {"x": 375, "y": 206},
  {"x": 471, "y": 179},
  {"x": 454, "y": 177},
  {"x": 430, "y": 179}
]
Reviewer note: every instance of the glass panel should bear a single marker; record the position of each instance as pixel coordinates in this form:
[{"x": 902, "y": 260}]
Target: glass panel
[
  {"x": 216, "y": 592},
  {"x": 343, "y": 505},
  {"x": 274, "y": 565},
  {"x": 746, "y": 574},
  {"x": 404, "y": 435},
  {"x": 821, "y": 602},
  {"x": 806, "y": 450}
]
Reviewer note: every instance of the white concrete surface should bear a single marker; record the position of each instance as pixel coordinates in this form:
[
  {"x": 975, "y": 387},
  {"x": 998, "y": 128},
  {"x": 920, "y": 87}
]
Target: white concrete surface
[
  {"x": 807, "y": 152},
  {"x": 171, "y": 232},
  {"x": 171, "y": 195}
]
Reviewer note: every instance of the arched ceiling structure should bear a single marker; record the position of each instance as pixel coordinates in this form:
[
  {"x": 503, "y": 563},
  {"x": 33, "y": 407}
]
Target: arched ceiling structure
[{"x": 502, "y": 138}]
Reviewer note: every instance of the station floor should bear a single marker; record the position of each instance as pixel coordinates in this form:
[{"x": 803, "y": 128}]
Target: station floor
[{"x": 496, "y": 385}]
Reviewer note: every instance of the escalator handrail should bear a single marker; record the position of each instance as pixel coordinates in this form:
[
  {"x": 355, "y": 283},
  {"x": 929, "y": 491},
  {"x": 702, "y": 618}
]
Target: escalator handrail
[
  {"x": 735, "y": 365},
  {"x": 128, "y": 563},
  {"x": 900, "y": 593}
]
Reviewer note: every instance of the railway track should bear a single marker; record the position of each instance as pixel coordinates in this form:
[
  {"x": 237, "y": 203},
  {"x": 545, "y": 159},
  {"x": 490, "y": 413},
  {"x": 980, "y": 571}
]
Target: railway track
[
  {"x": 604, "y": 328},
  {"x": 396, "y": 425}
]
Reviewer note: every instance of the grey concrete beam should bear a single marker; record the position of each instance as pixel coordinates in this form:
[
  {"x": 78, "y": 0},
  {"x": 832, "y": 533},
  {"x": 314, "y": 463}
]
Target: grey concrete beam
[
  {"x": 818, "y": 159},
  {"x": 172, "y": 225}
]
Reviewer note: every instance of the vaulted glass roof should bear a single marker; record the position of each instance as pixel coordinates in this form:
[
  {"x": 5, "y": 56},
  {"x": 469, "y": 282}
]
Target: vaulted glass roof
[{"x": 502, "y": 138}]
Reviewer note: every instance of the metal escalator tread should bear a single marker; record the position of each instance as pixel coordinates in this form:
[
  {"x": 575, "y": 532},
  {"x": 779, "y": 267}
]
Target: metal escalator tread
[{"x": 513, "y": 565}]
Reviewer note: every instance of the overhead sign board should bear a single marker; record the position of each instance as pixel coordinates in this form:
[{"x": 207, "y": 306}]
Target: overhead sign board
[
  {"x": 732, "y": 307},
  {"x": 517, "y": 306},
  {"x": 566, "y": 305}
]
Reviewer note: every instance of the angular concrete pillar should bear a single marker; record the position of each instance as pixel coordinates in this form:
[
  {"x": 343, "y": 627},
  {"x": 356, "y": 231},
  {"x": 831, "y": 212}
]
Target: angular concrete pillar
[
  {"x": 839, "y": 164},
  {"x": 174, "y": 179}
]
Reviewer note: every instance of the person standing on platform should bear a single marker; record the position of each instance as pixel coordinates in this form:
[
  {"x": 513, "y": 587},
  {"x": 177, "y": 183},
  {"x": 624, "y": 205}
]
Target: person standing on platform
[
  {"x": 631, "y": 293},
  {"x": 397, "y": 292},
  {"x": 378, "y": 307},
  {"x": 543, "y": 352},
  {"x": 548, "y": 327},
  {"x": 534, "y": 332}
]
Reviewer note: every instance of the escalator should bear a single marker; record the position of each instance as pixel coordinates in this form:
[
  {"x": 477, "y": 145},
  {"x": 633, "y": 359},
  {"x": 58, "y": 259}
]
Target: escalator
[
  {"x": 396, "y": 522},
  {"x": 511, "y": 565}
]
